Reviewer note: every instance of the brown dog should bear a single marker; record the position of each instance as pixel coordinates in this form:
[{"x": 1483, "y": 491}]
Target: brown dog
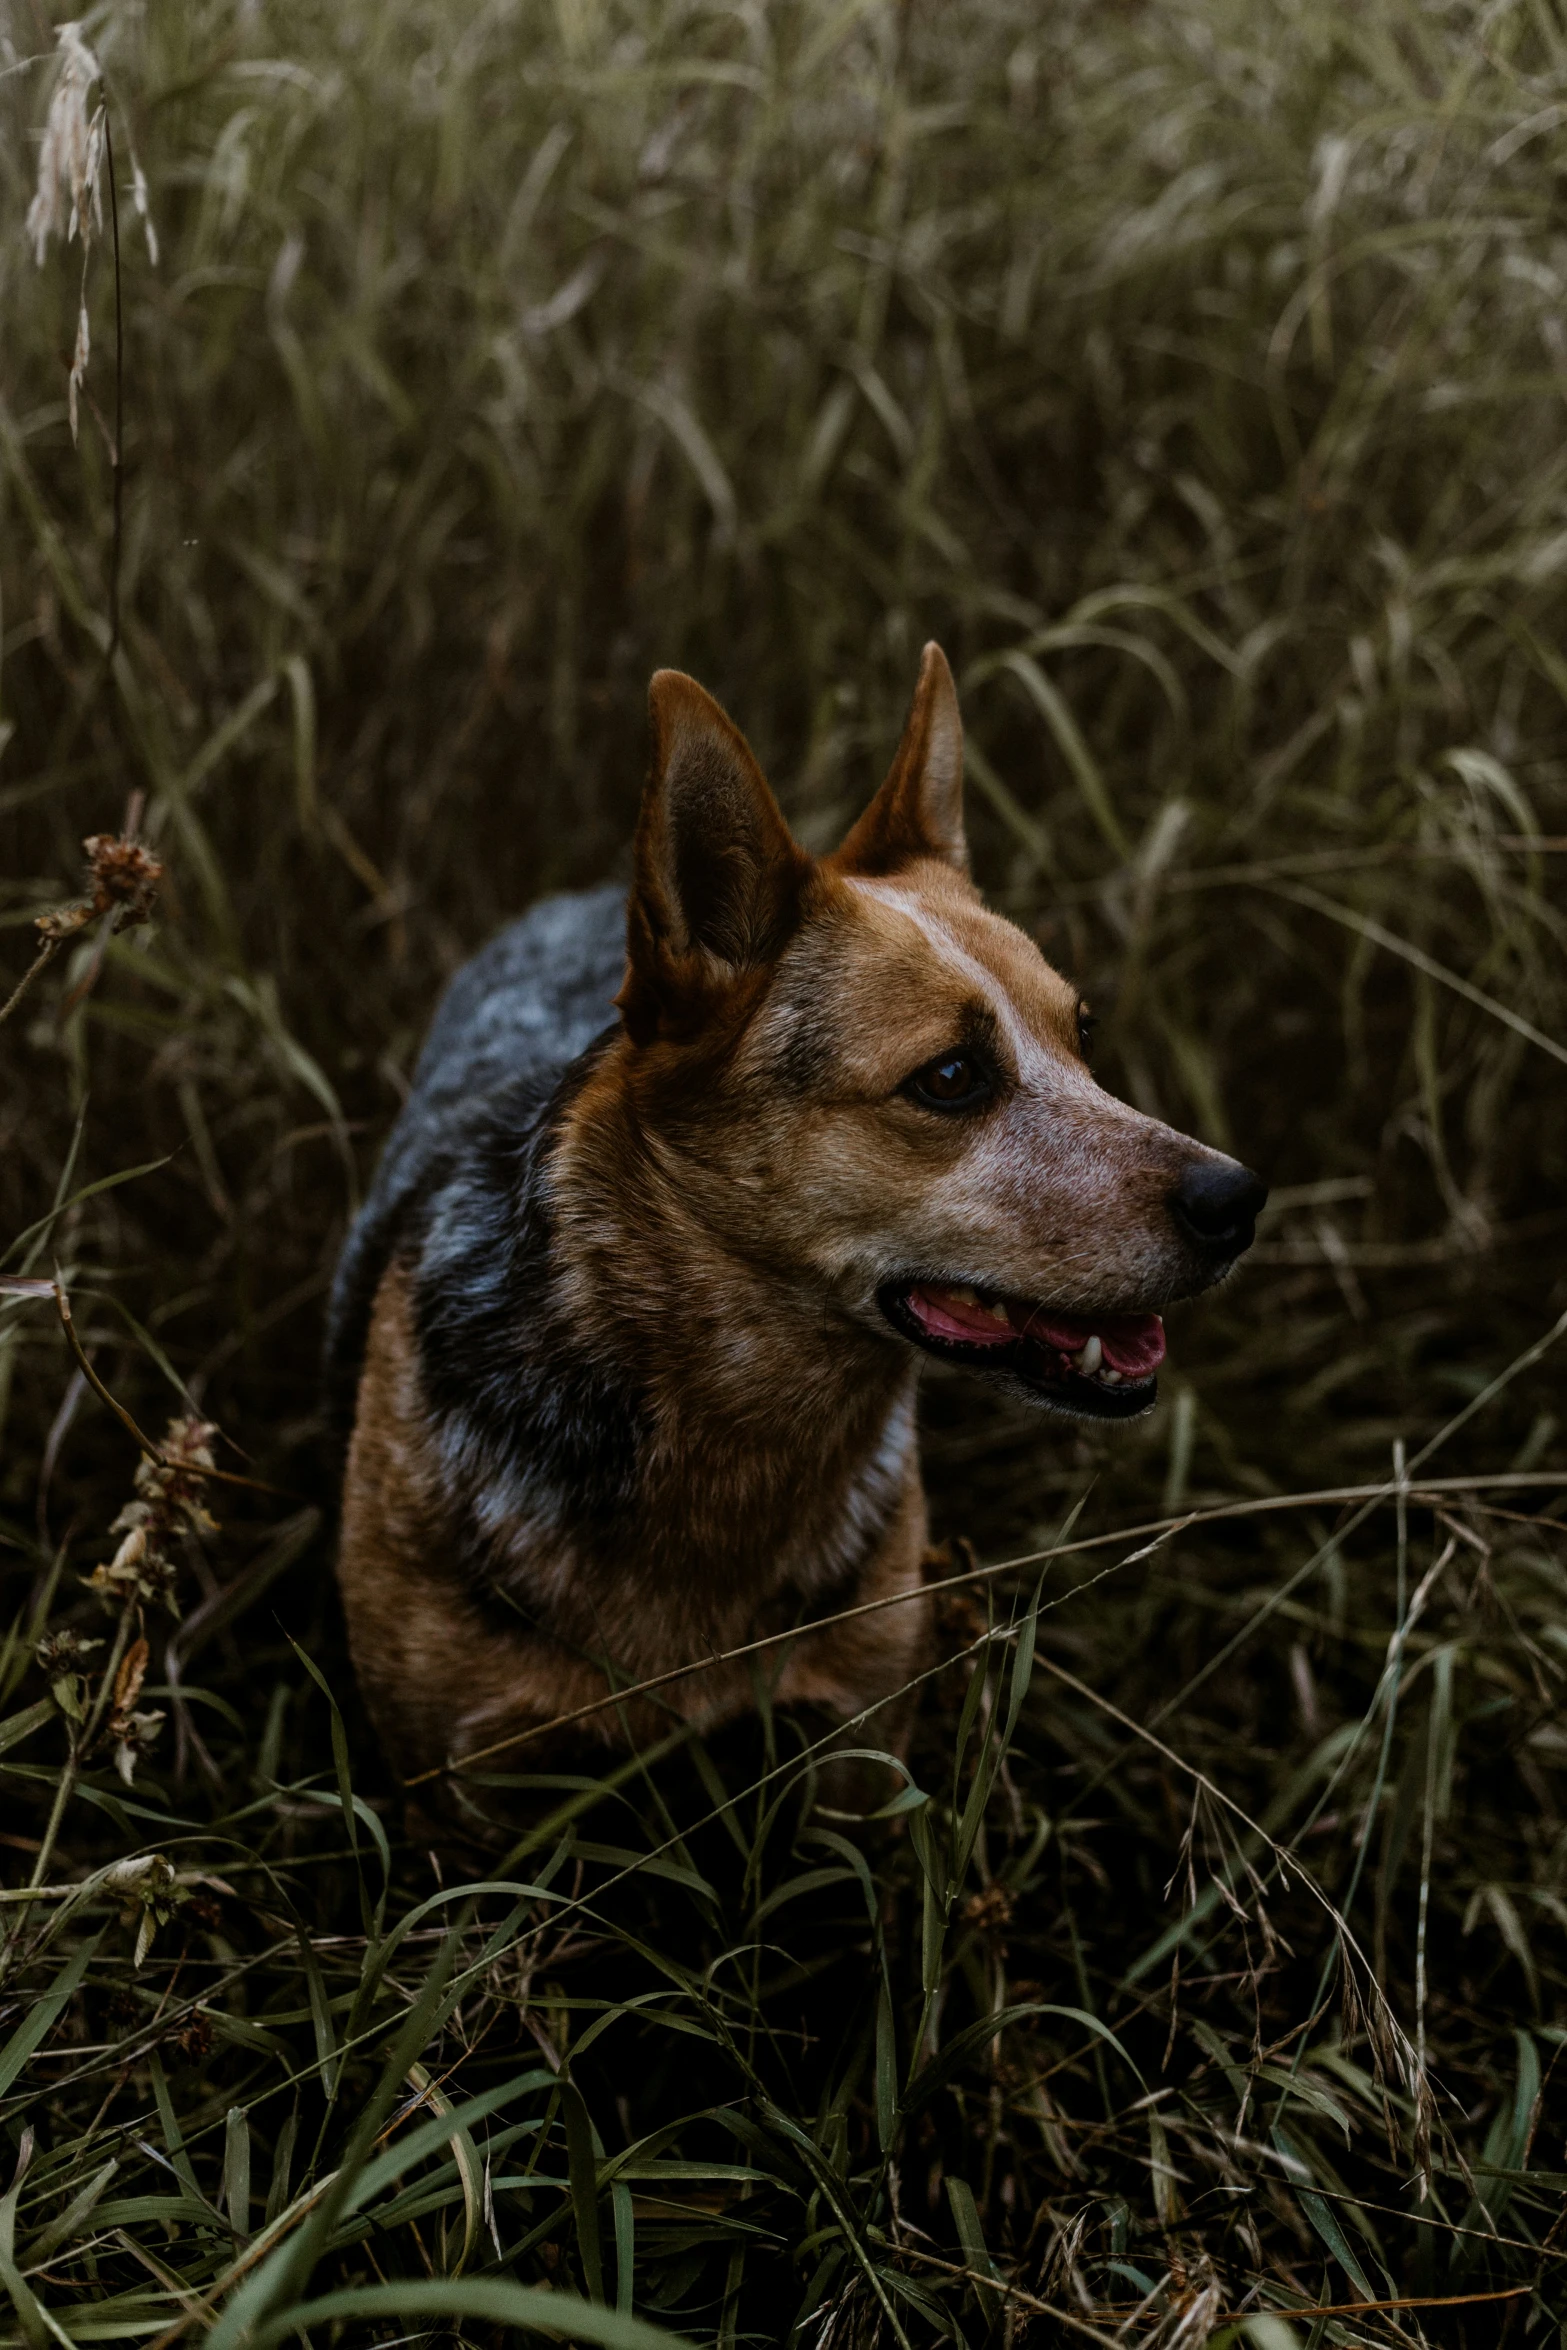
[{"x": 640, "y": 1301}]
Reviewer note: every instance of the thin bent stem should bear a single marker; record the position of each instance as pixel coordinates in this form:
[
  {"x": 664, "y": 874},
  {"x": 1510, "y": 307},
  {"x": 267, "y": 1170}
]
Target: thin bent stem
[
  {"x": 39, "y": 964},
  {"x": 117, "y": 454},
  {"x": 82, "y": 1737}
]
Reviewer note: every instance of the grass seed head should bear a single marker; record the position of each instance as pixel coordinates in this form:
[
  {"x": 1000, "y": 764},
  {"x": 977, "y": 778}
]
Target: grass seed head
[
  {"x": 168, "y": 1502},
  {"x": 139, "y": 1570},
  {"x": 68, "y": 199},
  {"x": 135, "y": 1736},
  {"x": 123, "y": 875},
  {"x": 151, "y": 1891},
  {"x": 70, "y": 177},
  {"x": 990, "y": 1910},
  {"x": 61, "y": 1656},
  {"x": 132, "y": 1733},
  {"x": 143, "y": 210}
]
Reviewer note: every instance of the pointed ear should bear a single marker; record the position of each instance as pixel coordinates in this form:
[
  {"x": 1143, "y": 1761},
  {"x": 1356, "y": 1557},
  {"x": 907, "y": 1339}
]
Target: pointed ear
[
  {"x": 717, "y": 871},
  {"x": 918, "y": 811}
]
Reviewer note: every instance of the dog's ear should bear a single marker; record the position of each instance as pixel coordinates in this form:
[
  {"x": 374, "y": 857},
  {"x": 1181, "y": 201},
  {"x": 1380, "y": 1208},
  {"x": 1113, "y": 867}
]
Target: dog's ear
[
  {"x": 918, "y": 811},
  {"x": 717, "y": 871}
]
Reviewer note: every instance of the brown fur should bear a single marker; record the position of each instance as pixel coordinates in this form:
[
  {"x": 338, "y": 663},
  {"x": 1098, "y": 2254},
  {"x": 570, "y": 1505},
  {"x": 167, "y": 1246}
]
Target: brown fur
[
  {"x": 729, "y": 1184},
  {"x": 441, "y": 1680}
]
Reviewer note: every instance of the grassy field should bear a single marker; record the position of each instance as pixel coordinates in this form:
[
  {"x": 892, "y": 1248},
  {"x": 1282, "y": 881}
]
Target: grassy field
[{"x": 1196, "y": 374}]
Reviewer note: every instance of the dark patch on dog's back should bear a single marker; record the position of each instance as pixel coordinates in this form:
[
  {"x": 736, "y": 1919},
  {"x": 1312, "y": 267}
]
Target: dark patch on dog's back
[
  {"x": 536, "y": 1423},
  {"x": 512, "y": 1021}
]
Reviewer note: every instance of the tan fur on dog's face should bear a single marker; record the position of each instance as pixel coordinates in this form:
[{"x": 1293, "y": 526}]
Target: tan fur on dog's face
[
  {"x": 1054, "y": 1190},
  {"x": 775, "y": 1077}
]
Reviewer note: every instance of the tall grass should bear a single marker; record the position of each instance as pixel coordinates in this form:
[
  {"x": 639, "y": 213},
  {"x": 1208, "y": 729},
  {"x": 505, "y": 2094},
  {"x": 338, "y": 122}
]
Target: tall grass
[{"x": 1196, "y": 375}]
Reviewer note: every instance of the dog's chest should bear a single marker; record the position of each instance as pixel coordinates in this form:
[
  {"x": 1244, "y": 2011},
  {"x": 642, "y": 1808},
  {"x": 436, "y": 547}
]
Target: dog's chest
[
  {"x": 711, "y": 1549},
  {"x": 871, "y": 1495}
]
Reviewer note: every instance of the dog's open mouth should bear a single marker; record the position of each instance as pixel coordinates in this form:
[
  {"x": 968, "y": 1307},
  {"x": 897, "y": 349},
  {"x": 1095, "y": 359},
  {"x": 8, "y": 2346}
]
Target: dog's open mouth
[{"x": 1100, "y": 1365}]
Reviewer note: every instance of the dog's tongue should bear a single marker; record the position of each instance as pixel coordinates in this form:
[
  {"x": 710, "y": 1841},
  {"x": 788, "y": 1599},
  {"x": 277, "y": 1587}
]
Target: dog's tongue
[
  {"x": 1133, "y": 1343},
  {"x": 949, "y": 1313}
]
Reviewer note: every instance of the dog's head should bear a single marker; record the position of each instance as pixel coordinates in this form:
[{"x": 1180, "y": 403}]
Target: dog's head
[{"x": 868, "y": 1083}]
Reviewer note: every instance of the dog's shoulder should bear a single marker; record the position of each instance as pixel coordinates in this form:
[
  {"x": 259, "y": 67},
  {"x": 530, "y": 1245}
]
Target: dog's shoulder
[
  {"x": 513, "y": 1020},
  {"x": 539, "y": 993}
]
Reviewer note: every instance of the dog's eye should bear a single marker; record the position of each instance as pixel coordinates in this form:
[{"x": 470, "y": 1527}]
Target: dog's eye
[
  {"x": 955, "y": 1082},
  {"x": 1087, "y": 1022}
]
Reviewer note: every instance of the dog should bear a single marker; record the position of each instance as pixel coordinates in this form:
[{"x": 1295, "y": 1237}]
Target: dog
[{"x": 689, "y": 1183}]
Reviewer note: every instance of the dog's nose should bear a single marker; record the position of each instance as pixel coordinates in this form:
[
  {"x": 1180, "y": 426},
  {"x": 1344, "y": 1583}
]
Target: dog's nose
[{"x": 1218, "y": 1201}]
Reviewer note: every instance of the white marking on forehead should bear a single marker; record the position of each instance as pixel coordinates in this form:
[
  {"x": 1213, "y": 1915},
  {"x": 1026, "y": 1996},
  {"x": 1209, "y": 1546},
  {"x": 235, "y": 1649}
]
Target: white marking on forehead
[
  {"x": 940, "y": 938},
  {"x": 1032, "y": 1058}
]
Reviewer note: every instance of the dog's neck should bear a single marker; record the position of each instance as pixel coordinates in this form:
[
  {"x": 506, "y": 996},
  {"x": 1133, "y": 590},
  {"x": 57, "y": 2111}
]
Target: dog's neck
[{"x": 613, "y": 1377}]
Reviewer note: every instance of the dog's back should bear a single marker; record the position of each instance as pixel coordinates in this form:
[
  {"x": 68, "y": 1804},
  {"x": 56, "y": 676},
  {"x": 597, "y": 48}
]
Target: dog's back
[{"x": 513, "y": 1019}]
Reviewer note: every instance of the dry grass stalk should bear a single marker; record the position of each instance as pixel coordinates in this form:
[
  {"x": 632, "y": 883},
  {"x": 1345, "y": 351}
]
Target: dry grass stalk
[{"x": 68, "y": 199}]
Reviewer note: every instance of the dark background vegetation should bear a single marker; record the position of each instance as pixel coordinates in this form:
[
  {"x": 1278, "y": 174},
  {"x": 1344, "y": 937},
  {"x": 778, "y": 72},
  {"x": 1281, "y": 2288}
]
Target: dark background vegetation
[{"x": 1196, "y": 374}]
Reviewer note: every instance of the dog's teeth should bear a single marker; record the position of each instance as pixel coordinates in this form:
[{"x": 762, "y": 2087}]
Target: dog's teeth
[
  {"x": 1109, "y": 1378},
  {"x": 1092, "y": 1356},
  {"x": 997, "y": 1314},
  {"x": 963, "y": 1297}
]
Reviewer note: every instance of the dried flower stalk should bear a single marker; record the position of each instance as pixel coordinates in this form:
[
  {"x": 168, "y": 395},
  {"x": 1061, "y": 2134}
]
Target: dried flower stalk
[{"x": 70, "y": 182}]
